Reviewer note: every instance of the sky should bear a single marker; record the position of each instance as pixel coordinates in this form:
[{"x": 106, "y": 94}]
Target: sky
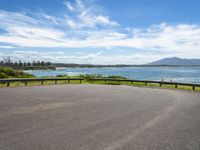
[{"x": 99, "y": 31}]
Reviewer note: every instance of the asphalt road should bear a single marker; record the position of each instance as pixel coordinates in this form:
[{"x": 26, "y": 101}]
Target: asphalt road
[{"x": 98, "y": 117}]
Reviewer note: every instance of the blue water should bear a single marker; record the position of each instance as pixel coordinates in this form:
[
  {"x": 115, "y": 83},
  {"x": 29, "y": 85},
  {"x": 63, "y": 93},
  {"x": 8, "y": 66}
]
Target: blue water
[{"x": 176, "y": 74}]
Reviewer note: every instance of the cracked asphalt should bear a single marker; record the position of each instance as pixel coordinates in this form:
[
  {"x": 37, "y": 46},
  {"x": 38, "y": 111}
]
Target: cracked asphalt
[{"x": 98, "y": 117}]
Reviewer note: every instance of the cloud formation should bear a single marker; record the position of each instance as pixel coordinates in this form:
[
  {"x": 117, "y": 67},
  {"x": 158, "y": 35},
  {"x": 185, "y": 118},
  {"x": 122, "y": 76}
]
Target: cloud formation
[
  {"x": 85, "y": 26},
  {"x": 85, "y": 17},
  {"x": 79, "y": 57},
  {"x": 49, "y": 56}
]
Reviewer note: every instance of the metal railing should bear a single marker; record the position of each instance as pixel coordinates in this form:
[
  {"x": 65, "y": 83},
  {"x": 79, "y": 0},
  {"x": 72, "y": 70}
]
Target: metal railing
[
  {"x": 176, "y": 84},
  {"x": 105, "y": 80},
  {"x": 27, "y": 80}
]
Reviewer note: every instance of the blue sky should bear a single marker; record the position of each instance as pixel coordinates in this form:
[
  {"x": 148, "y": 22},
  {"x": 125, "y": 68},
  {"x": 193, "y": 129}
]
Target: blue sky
[{"x": 99, "y": 31}]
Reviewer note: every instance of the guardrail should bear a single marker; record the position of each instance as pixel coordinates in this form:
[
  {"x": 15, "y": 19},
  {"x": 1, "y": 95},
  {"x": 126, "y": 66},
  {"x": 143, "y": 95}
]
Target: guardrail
[
  {"x": 176, "y": 84},
  {"x": 26, "y": 80}
]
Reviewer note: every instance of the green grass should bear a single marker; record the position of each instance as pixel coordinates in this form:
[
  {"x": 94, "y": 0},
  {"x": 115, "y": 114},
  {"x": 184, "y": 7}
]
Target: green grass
[
  {"x": 137, "y": 84},
  {"x": 38, "y": 83},
  {"x": 141, "y": 84},
  {"x": 87, "y": 81}
]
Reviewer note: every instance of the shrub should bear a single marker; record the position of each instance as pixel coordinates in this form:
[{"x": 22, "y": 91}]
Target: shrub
[
  {"x": 3, "y": 75},
  {"x": 117, "y": 77},
  {"x": 10, "y": 73},
  {"x": 62, "y": 76},
  {"x": 90, "y": 76}
]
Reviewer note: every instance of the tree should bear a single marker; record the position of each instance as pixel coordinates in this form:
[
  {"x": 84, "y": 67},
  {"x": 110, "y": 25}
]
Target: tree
[
  {"x": 48, "y": 63},
  {"x": 38, "y": 63},
  {"x": 28, "y": 64},
  {"x": 16, "y": 65},
  {"x": 20, "y": 65},
  {"x": 42, "y": 63},
  {"x": 2, "y": 63},
  {"x": 34, "y": 64},
  {"x": 24, "y": 64}
]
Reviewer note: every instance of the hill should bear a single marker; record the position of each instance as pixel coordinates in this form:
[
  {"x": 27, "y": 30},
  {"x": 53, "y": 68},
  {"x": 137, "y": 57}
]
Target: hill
[{"x": 175, "y": 61}]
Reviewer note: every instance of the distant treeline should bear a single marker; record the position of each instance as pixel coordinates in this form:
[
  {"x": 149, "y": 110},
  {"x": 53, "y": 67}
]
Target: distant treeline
[
  {"x": 88, "y": 65},
  {"x": 117, "y": 65},
  {"x": 19, "y": 65},
  {"x": 103, "y": 66}
]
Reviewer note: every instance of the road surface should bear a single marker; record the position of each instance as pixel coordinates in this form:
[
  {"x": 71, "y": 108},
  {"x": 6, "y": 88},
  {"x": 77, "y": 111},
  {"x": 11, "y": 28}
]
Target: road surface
[{"x": 98, "y": 117}]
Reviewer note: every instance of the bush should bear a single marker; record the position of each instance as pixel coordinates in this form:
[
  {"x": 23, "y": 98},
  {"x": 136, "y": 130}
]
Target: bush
[
  {"x": 10, "y": 73},
  {"x": 62, "y": 76},
  {"x": 117, "y": 77},
  {"x": 3, "y": 75},
  {"x": 90, "y": 76}
]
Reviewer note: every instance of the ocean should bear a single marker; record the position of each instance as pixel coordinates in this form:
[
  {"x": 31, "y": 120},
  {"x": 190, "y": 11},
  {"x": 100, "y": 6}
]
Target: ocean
[{"x": 176, "y": 74}]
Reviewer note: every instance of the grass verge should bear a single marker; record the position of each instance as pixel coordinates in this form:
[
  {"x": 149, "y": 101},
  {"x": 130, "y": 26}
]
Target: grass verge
[{"x": 136, "y": 84}]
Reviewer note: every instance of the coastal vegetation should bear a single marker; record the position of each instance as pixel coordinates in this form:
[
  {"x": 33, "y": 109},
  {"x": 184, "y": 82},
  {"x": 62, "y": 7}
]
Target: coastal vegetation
[
  {"x": 91, "y": 76},
  {"x": 9, "y": 73},
  {"x": 9, "y": 69},
  {"x": 87, "y": 76},
  {"x": 6, "y": 72},
  {"x": 85, "y": 81},
  {"x": 19, "y": 65},
  {"x": 42, "y": 65}
]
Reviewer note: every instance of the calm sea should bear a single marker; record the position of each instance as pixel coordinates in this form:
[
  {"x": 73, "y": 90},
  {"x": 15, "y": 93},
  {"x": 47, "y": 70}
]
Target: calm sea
[{"x": 176, "y": 74}]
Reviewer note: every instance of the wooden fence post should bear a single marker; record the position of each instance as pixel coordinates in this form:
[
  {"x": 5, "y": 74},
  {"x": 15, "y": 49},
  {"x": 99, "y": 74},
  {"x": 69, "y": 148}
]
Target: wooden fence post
[
  {"x": 193, "y": 87},
  {"x": 8, "y": 84}
]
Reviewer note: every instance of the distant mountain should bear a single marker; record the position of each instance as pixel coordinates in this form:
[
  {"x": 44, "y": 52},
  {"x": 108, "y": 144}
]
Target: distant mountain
[{"x": 175, "y": 61}]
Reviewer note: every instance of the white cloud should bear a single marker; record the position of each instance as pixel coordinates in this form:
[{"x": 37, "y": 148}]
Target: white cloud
[
  {"x": 6, "y": 46},
  {"x": 50, "y": 56},
  {"x": 69, "y": 6},
  {"x": 84, "y": 27},
  {"x": 90, "y": 58},
  {"x": 105, "y": 21},
  {"x": 85, "y": 15},
  {"x": 27, "y": 32}
]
